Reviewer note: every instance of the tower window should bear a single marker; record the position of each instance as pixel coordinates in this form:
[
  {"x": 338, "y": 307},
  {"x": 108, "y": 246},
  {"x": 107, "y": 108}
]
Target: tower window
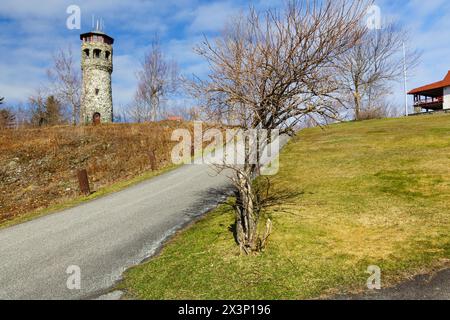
[
  {"x": 107, "y": 55},
  {"x": 97, "y": 92},
  {"x": 86, "y": 53},
  {"x": 97, "y": 53}
]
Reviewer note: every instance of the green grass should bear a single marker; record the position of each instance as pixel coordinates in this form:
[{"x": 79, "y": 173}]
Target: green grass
[
  {"x": 372, "y": 193},
  {"x": 115, "y": 187}
]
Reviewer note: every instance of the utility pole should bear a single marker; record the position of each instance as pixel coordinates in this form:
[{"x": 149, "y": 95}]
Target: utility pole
[{"x": 405, "y": 84}]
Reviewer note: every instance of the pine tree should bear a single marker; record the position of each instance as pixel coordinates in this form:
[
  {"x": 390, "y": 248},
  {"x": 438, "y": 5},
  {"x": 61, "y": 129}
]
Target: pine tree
[
  {"x": 53, "y": 111},
  {"x": 7, "y": 118},
  {"x": 45, "y": 111}
]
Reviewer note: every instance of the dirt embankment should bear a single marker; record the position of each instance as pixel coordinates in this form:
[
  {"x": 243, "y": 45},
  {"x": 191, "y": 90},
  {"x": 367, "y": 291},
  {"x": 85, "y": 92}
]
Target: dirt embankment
[{"x": 38, "y": 166}]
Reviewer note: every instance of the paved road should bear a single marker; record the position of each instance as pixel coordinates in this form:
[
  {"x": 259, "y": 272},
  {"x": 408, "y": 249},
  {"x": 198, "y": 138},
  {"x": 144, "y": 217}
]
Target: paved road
[
  {"x": 424, "y": 287},
  {"x": 103, "y": 237},
  {"x": 106, "y": 236}
]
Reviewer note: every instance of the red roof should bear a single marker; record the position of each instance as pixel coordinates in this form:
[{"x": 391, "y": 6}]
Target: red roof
[
  {"x": 433, "y": 86},
  {"x": 174, "y": 118}
]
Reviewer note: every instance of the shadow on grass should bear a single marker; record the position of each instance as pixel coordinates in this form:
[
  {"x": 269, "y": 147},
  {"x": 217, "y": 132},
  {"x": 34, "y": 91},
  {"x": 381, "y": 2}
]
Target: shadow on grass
[{"x": 268, "y": 200}]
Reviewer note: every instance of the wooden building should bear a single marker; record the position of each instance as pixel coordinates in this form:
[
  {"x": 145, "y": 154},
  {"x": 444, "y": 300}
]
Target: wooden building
[{"x": 432, "y": 97}]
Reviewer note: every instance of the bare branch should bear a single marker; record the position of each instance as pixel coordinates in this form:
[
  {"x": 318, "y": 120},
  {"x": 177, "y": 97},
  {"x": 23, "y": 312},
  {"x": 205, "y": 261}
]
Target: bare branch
[
  {"x": 366, "y": 72},
  {"x": 272, "y": 69},
  {"x": 157, "y": 79},
  {"x": 66, "y": 81}
]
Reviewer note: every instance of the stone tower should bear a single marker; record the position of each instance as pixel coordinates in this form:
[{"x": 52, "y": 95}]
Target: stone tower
[{"x": 97, "y": 67}]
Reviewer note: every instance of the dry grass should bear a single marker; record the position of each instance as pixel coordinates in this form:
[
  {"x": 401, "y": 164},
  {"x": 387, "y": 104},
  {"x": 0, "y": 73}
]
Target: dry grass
[{"x": 38, "y": 166}]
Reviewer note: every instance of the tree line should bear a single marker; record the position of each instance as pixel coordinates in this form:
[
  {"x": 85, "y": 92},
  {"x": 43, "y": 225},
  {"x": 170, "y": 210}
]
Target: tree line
[{"x": 360, "y": 81}]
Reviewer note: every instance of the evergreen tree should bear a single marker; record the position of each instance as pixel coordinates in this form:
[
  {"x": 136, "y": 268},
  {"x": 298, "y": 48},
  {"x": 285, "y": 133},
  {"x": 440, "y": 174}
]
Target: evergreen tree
[
  {"x": 7, "y": 118},
  {"x": 53, "y": 111},
  {"x": 46, "y": 111}
]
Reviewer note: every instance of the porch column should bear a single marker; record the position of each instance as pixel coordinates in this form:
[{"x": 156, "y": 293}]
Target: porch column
[
  {"x": 417, "y": 109},
  {"x": 446, "y": 98}
]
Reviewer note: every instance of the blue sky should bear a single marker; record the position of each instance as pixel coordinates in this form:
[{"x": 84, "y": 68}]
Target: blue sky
[{"x": 31, "y": 30}]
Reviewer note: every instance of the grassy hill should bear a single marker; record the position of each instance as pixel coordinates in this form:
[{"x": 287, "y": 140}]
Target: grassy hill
[{"x": 372, "y": 193}]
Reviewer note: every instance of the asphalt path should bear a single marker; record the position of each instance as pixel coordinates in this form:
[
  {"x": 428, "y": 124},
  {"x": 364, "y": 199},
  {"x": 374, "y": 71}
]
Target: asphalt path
[{"x": 98, "y": 240}]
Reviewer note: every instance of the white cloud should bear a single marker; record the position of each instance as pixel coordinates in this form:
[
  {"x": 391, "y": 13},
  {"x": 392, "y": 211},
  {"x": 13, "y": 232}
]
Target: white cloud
[
  {"x": 124, "y": 78},
  {"x": 212, "y": 17}
]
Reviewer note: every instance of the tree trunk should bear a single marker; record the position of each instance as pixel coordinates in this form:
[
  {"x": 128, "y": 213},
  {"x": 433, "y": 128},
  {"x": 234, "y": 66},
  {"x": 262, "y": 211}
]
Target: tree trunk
[
  {"x": 246, "y": 218},
  {"x": 74, "y": 115},
  {"x": 154, "y": 108},
  {"x": 357, "y": 98}
]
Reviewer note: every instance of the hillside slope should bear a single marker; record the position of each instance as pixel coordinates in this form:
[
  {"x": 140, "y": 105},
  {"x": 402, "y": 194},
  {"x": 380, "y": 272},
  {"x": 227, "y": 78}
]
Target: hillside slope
[
  {"x": 368, "y": 193},
  {"x": 38, "y": 167}
]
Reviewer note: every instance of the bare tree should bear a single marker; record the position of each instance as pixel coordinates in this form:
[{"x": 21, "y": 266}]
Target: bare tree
[
  {"x": 37, "y": 108},
  {"x": 138, "y": 112},
  {"x": 368, "y": 69},
  {"x": 185, "y": 111},
  {"x": 156, "y": 80},
  {"x": 22, "y": 115},
  {"x": 4, "y": 115},
  {"x": 191, "y": 113},
  {"x": 121, "y": 114},
  {"x": 270, "y": 70},
  {"x": 66, "y": 81}
]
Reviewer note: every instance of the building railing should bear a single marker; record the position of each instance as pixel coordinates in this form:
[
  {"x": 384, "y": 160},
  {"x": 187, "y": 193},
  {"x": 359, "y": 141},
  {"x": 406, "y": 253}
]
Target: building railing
[{"x": 428, "y": 101}]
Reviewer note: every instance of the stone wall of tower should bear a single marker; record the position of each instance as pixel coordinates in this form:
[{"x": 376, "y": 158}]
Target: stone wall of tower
[{"x": 97, "y": 67}]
